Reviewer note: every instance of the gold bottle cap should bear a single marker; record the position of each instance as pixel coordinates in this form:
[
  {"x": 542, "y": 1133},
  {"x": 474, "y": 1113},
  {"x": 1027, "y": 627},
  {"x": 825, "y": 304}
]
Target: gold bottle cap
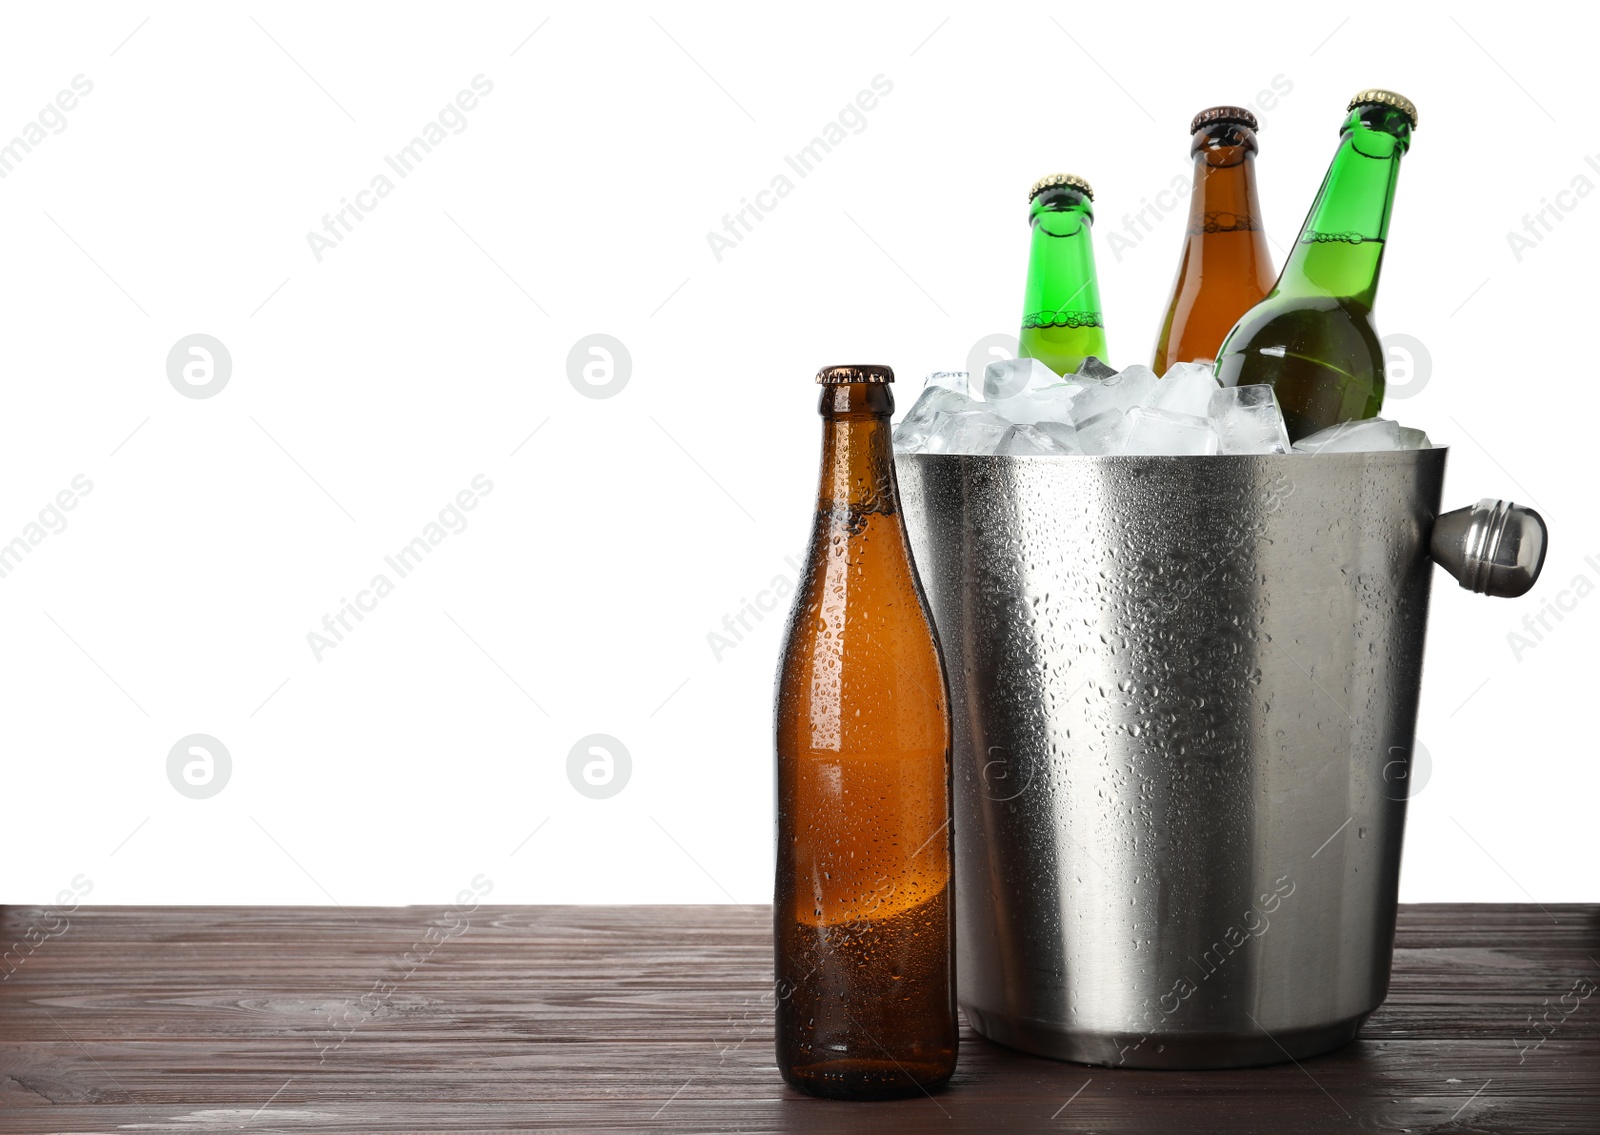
[
  {"x": 1056, "y": 181},
  {"x": 1378, "y": 97},
  {"x": 855, "y": 372},
  {"x": 1235, "y": 114}
]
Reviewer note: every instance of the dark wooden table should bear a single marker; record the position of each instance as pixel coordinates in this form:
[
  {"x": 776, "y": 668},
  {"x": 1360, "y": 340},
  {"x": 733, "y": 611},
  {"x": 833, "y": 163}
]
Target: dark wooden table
[{"x": 653, "y": 1019}]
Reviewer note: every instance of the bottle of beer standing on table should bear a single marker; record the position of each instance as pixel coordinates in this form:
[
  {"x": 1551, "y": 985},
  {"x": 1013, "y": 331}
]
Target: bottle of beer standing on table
[
  {"x": 1226, "y": 268},
  {"x": 1061, "y": 321},
  {"x": 862, "y": 906},
  {"x": 1313, "y": 339}
]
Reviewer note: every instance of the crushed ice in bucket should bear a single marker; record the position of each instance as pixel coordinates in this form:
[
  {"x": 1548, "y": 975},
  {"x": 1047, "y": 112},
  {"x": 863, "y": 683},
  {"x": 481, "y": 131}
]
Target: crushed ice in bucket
[{"x": 1020, "y": 407}]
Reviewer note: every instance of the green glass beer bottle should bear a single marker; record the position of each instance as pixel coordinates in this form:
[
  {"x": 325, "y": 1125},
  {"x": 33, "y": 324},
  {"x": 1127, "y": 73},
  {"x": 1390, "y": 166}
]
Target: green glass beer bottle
[
  {"x": 1312, "y": 338},
  {"x": 1061, "y": 322}
]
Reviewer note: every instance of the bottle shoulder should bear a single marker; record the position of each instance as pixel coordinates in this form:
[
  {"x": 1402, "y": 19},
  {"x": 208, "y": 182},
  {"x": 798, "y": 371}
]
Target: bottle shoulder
[
  {"x": 1299, "y": 338},
  {"x": 855, "y": 607},
  {"x": 1285, "y": 311},
  {"x": 859, "y": 617}
]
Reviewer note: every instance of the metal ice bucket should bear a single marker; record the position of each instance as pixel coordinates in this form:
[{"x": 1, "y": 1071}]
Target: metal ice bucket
[{"x": 1184, "y": 694}]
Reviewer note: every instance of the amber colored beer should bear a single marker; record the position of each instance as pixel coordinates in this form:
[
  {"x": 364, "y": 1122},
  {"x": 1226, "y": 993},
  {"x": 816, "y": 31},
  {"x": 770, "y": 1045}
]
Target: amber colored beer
[
  {"x": 1226, "y": 267},
  {"x": 862, "y": 906}
]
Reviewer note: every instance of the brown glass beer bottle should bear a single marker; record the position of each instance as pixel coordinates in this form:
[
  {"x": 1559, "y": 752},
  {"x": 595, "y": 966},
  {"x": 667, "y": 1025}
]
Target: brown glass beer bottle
[
  {"x": 1226, "y": 267},
  {"x": 862, "y": 907}
]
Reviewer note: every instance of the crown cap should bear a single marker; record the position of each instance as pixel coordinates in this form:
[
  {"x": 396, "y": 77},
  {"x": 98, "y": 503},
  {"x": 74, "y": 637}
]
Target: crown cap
[
  {"x": 1234, "y": 114},
  {"x": 1376, "y": 96},
  {"x": 854, "y": 372},
  {"x": 1058, "y": 181}
]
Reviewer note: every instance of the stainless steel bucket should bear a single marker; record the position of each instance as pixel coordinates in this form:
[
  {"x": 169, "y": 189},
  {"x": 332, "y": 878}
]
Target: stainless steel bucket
[{"x": 1184, "y": 694}]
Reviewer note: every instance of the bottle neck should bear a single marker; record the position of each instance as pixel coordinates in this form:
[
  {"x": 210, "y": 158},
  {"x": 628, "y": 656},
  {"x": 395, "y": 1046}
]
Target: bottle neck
[
  {"x": 857, "y": 453},
  {"x": 1224, "y": 197},
  {"x": 1340, "y": 248},
  {"x": 1062, "y": 288}
]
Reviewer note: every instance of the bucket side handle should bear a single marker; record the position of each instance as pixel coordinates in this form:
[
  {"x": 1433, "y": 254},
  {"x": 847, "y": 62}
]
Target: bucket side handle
[{"x": 1493, "y": 547}]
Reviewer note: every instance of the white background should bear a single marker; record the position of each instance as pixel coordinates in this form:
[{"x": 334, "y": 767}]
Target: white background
[{"x": 367, "y": 389}]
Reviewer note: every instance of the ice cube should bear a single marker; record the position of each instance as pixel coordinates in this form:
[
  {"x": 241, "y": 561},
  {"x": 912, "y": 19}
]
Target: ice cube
[
  {"x": 1152, "y": 431},
  {"x": 1247, "y": 420},
  {"x": 1049, "y": 403},
  {"x": 1122, "y": 391},
  {"x": 1353, "y": 437},
  {"x": 1011, "y": 377},
  {"x": 911, "y": 435},
  {"x": 958, "y": 380},
  {"x": 1092, "y": 367},
  {"x": 1024, "y": 441},
  {"x": 971, "y": 431},
  {"x": 1414, "y": 439},
  {"x": 1062, "y": 434},
  {"x": 1186, "y": 388},
  {"x": 1103, "y": 433}
]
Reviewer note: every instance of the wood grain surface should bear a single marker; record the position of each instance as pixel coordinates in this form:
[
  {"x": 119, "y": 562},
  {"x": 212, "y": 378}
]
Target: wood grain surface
[{"x": 125, "y": 1019}]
